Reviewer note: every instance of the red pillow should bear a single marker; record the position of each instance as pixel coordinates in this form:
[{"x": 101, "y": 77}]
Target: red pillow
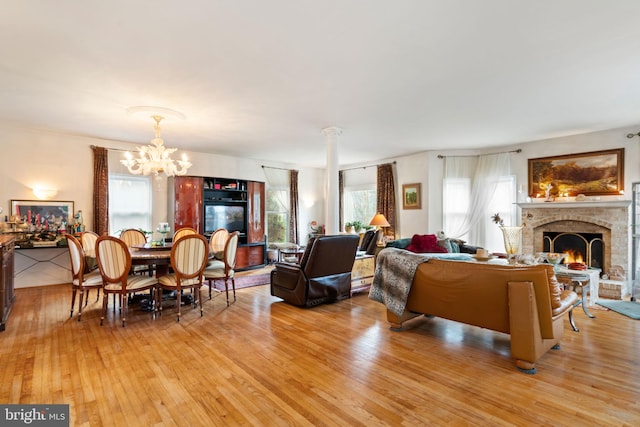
[{"x": 425, "y": 243}]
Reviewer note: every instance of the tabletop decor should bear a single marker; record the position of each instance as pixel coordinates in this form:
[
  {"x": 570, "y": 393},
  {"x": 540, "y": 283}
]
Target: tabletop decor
[
  {"x": 40, "y": 213},
  {"x": 511, "y": 236}
]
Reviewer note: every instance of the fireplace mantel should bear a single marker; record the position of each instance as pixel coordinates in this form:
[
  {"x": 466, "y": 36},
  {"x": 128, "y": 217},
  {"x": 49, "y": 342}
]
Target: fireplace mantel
[
  {"x": 610, "y": 217},
  {"x": 587, "y": 204}
]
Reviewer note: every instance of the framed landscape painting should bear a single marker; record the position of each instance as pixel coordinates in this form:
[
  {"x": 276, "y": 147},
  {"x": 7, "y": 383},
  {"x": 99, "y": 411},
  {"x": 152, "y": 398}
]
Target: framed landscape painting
[
  {"x": 592, "y": 173},
  {"x": 411, "y": 196},
  {"x": 54, "y": 211}
]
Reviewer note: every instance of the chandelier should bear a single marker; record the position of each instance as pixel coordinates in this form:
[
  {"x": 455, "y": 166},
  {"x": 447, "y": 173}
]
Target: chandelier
[{"x": 155, "y": 158}]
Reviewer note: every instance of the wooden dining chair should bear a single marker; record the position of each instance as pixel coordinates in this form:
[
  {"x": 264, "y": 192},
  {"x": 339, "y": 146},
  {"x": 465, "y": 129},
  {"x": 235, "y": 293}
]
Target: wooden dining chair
[
  {"x": 183, "y": 232},
  {"x": 79, "y": 280},
  {"x": 216, "y": 243},
  {"x": 131, "y": 237},
  {"x": 224, "y": 269},
  {"x": 114, "y": 263},
  {"x": 88, "y": 240},
  {"x": 189, "y": 256}
]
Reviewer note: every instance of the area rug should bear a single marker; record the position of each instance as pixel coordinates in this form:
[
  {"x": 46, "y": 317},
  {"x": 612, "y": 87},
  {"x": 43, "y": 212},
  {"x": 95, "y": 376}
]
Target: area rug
[
  {"x": 246, "y": 281},
  {"x": 627, "y": 308}
]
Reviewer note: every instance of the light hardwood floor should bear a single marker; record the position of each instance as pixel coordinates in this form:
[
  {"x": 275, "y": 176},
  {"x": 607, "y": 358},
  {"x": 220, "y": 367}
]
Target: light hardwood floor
[{"x": 263, "y": 362}]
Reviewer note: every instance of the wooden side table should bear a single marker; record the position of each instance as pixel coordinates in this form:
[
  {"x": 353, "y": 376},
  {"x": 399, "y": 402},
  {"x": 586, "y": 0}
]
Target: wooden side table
[
  {"x": 286, "y": 254},
  {"x": 362, "y": 273}
]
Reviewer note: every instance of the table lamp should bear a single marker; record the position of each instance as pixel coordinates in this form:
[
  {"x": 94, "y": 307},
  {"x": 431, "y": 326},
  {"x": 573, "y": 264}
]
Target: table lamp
[{"x": 379, "y": 221}]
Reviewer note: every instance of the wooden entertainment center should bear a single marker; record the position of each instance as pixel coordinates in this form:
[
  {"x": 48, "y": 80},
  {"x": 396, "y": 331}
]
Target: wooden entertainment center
[{"x": 206, "y": 203}]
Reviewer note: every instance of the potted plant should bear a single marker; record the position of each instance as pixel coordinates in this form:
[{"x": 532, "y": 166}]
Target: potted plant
[
  {"x": 357, "y": 226},
  {"x": 348, "y": 227}
]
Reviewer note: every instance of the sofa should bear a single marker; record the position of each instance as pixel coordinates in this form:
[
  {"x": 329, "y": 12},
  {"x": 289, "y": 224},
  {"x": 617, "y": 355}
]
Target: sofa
[
  {"x": 323, "y": 274},
  {"x": 526, "y": 302},
  {"x": 432, "y": 243}
]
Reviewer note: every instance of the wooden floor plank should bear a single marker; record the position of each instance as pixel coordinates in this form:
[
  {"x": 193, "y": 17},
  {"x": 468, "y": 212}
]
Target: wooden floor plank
[{"x": 263, "y": 362}]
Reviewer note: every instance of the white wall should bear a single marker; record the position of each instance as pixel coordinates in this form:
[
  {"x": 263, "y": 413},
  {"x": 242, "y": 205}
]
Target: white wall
[
  {"x": 427, "y": 169},
  {"x": 31, "y": 157},
  {"x": 64, "y": 162}
]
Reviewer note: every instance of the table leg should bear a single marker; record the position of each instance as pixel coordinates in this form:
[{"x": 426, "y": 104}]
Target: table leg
[
  {"x": 572, "y": 321},
  {"x": 584, "y": 303}
]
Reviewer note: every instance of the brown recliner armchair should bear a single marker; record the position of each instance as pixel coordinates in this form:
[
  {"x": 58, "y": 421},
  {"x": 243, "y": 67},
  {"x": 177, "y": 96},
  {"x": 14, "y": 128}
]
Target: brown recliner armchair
[{"x": 323, "y": 275}]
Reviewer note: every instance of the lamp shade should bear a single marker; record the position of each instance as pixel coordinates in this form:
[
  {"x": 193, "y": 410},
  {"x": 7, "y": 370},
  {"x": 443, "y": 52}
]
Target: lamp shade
[{"x": 379, "y": 220}]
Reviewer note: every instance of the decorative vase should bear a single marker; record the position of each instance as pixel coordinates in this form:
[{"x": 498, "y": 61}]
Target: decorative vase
[{"x": 511, "y": 236}]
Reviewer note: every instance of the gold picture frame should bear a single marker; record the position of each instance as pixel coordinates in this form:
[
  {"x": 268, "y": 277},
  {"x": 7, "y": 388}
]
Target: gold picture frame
[
  {"x": 411, "y": 196},
  {"x": 592, "y": 173}
]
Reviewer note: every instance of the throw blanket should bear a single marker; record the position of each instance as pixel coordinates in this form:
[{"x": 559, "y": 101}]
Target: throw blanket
[{"x": 394, "y": 273}]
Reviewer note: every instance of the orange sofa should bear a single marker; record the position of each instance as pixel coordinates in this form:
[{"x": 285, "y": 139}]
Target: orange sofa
[{"x": 526, "y": 302}]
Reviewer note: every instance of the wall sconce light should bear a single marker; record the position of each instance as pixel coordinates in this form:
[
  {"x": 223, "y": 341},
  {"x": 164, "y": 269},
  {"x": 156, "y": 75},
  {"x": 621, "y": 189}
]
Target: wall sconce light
[{"x": 42, "y": 193}]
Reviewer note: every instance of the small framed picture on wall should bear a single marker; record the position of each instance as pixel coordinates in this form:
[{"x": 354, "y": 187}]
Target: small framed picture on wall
[{"x": 411, "y": 196}]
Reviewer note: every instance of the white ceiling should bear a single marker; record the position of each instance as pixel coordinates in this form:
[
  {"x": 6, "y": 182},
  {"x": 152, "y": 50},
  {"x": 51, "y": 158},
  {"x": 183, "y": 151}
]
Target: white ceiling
[{"x": 262, "y": 78}]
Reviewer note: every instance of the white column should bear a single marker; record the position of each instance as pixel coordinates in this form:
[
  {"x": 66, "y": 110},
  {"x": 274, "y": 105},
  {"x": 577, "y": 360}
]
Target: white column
[{"x": 332, "y": 207}]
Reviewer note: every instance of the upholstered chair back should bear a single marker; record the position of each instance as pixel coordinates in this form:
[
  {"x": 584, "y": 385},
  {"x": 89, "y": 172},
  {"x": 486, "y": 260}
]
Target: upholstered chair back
[
  {"x": 89, "y": 243},
  {"x": 217, "y": 242},
  {"x": 133, "y": 237},
  {"x": 183, "y": 232},
  {"x": 331, "y": 255},
  {"x": 189, "y": 256},
  {"x": 230, "y": 251},
  {"x": 76, "y": 255},
  {"x": 114, "y": 259}
]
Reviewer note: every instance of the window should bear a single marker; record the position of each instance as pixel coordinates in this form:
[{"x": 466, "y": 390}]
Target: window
[
  {"x": 129, "y": 203},
  {"x": 359, "y": 203},
  {"x": 277, "y": 211},
  {"x": 502, "y": 203},
  {"x": 457, "y": 193},
  {"x": 474, "y": 189}
]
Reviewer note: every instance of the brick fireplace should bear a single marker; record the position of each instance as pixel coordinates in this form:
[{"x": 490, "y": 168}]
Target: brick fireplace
[{"x": 611, "y": 219}]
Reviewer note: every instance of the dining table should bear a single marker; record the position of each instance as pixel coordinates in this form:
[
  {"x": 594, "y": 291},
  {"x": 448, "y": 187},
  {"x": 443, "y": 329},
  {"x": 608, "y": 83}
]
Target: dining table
[{"x": 157, "y": 256}]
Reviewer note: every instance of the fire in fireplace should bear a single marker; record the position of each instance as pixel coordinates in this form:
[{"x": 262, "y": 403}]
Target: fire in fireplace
[{"x": 587, "y": 248}]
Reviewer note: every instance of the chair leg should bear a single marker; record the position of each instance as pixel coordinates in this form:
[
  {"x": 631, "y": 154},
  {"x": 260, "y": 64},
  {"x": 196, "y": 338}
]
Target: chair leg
[
  {"x": 158, "y": 300},
  {"x": 233, "y": 284},
  {"x": 124, "y": 307},
  {"x": 105, "y": 300},
  {"x": 179, "y": 302},
  {"x": 73, "y": 301},
  {"x": 80, "y": 303},
  {"x": 199, "y": 294},
  {"x": 226, "y": 288}
]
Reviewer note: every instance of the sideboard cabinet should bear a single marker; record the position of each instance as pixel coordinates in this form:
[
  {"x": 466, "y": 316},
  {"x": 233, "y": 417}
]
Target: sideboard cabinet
[{"x": 7, "y": 244}]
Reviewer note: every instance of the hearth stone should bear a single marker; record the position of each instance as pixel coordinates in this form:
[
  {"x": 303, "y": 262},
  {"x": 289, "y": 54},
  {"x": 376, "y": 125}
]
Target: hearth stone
[{"x": 613, "y": 289}]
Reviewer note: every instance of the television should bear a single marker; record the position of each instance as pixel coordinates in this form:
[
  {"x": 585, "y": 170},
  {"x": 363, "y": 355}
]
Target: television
[{"x": 231, "y": 217}]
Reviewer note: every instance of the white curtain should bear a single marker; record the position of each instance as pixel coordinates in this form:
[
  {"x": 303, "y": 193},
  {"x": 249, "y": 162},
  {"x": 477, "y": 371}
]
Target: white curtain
[
  {"x": 278, "y": 179},
  {"x": 469, "y": 186}
]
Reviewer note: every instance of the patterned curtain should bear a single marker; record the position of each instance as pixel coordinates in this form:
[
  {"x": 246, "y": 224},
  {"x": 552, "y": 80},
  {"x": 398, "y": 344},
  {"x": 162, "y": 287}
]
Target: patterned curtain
[
  {"x": 100, "y": 190},
  {"x": 340, "y": 199},
  {"x": 386, "y": 197},
  {"x": 294, "y": 232}
]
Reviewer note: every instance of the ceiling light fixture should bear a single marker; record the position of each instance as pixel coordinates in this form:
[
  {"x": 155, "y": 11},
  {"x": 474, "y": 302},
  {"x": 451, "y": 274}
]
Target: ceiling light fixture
[{"x": 156, "y": 158}]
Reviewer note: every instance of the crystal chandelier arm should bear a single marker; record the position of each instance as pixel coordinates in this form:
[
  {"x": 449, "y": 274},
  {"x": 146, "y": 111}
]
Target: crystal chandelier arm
[{"x": 130, "y": 164}]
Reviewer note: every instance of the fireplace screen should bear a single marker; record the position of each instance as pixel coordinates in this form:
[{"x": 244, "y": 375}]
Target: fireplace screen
[{"x": 587, "y": 248}]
